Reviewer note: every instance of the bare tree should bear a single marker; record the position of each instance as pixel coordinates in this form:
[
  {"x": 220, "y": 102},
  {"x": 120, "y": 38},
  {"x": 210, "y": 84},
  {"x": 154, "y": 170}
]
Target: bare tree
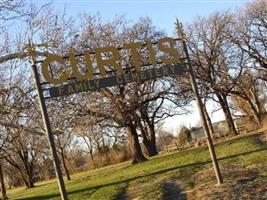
[
  {"x": 160, "y": 99},
  {"x": 246, "y": 97},
  {"x": 217, "y": 62},
  {"x": 250, "y": 32},
  {"x": 63, "y": 140}
]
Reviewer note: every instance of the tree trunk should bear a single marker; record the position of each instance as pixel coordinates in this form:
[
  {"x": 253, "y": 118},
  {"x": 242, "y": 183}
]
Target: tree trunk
[
  {"x": 137, "y": 155},
  {"x": 27, "y": 181},
  {"x": 151, "y": 150},
  {"x": 26, "y": 175},
  {"x": 151, "y": 142},
  {"x": 3, "y": 188},
  {"x": 153, "y": 146},
  {"x": 228, "y": 116},
  {"x": 256, "y": 113},
  {"x": 259, "y": 106},
  {"x": 29, "y": 171},
  {"x": 90, "y": 148},
  {"x": 30, "y": 181},
  {"x": 210, "y": 126},
  {"x": 92, "y": 158},
  {"x": 64, "y": 165},
  {"x": 150, "y": 145}
]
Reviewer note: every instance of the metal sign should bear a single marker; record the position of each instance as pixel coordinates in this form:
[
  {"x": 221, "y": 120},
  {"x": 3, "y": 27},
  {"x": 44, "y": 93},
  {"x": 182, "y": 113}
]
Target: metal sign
[
  {"x": 164, "y": 51},
  {"x": 169, "y": 57},
  {"x": 96, "y": 84}
]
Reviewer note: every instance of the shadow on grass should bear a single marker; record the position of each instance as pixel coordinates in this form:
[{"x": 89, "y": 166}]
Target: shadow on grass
[
  {"x": 171, "y": 191},
  {"x": 122, "y": 195}
]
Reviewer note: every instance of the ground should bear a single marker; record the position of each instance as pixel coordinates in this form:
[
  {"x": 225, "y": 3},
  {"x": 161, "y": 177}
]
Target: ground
[{"x": 186, "y": 174}]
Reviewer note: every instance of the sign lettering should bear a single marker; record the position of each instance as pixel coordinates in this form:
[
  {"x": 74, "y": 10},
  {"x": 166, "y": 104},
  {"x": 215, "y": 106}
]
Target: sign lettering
[
  {"x": 167, "y": 51},
  {"x": 96, "y": 84}
]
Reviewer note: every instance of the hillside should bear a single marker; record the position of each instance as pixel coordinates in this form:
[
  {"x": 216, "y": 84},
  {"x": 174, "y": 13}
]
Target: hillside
[{"x": 187, "y": 174}]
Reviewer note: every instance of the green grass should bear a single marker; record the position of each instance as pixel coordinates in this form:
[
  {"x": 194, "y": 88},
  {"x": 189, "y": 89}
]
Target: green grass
[{"x": 145, "y": 180}]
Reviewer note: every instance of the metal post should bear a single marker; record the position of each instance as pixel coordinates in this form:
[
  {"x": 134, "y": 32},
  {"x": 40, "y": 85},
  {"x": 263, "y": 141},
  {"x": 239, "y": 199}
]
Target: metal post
[
  {"x": 3, "y": 187},
  {"x": 48, "y": 129},
  {"x": 200, "y": 105}
]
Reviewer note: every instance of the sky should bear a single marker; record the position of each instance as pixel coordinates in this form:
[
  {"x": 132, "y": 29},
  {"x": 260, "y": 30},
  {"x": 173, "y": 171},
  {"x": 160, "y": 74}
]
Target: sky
[{"x": 163, "y": 15}]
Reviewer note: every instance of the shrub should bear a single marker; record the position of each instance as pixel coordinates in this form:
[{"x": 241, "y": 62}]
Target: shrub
[{"x": 184, "y": 137}]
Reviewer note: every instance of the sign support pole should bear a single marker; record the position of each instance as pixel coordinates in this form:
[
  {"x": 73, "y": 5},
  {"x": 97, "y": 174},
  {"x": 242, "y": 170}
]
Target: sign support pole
[
  {"x": 180, "y": 32},
  {"x": 48, "y": 129}
]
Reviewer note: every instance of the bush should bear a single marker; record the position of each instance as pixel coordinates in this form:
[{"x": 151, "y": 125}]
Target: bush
[
  {"x": 184, "y": 137},
  {"x": 108, "y": 156},
  {"x": 164, "y": 139}
]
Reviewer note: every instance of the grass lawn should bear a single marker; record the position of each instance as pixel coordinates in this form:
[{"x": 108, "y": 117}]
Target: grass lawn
[{"x": 166, "y": 176}]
